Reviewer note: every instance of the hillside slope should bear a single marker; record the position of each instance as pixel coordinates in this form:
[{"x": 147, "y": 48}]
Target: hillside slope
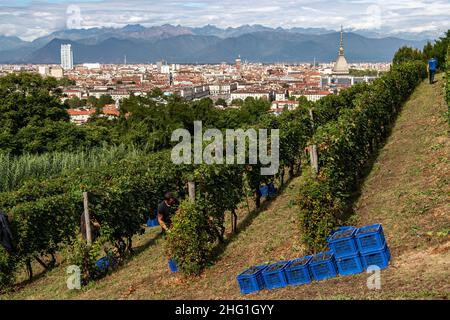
[{"x": 406, "y": 190}]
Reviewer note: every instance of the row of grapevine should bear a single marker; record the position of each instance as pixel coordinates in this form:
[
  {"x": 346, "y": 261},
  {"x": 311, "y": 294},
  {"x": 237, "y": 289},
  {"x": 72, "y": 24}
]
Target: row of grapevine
[
  {"x": 345, "y": 146},
  {"x": 447, "y": 85},
  {"x": 123, "y": 193}
]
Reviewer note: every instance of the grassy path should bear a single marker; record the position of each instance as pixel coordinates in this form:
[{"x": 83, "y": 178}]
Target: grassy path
[{"x": 407, "y": 190}]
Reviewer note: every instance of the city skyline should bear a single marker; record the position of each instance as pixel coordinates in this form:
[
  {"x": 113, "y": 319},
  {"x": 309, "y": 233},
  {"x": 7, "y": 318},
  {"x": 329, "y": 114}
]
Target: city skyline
[{"x": 32, "y": 19}]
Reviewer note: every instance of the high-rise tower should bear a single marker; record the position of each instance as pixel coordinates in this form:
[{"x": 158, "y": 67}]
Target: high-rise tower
[{"x": 66, "y": 57}]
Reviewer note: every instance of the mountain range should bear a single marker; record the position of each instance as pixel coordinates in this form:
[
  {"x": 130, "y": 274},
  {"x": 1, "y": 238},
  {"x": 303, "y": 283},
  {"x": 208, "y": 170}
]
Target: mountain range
[{"x": 208, "y": 44}]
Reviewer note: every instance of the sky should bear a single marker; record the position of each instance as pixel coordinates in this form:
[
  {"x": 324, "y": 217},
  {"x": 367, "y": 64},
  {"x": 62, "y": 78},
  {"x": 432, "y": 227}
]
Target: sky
[{"x": 30, "y": 19}]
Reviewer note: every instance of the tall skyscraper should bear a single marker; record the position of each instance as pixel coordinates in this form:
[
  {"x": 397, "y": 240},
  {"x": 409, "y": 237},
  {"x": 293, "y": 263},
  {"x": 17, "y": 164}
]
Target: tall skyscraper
[{"x": 66, "y": 57}]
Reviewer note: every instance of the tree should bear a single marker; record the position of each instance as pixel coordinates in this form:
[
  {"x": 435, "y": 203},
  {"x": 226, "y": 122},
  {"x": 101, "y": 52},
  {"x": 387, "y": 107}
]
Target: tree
[
  {"x": 237, "y": 102},
  {"x": 221, "y": 102},
  {"x": 405, "y": 54},
  {"x": 438, "y": 50}
]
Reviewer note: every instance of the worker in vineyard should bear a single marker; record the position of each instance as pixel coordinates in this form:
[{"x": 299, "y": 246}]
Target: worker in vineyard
[
  {"x": 432, "y": 67},
  {"x": 166, "y": 210}
]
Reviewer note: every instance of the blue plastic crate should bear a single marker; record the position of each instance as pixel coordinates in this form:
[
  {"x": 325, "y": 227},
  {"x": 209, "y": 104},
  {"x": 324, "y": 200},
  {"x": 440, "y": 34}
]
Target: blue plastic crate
[
  {"x": 268, "y": 190},
  {"x": 370, "y": 238},
  {"x": 343, "y": 228},
  {"x": 297, "y": 271},
  {"x": 173, "y": 265},
  {"x": 104, "y": 263},
  {"x": 251, "y": 280},
  {"x": 274, "y": 276},
  {"x": 349, "y": 265},
  {"x": 322, "y": 266},
  {"x": 342, "y": 242},
  {"x": 264, "y": 191},
  {"x": 379, "y": 258},
  {"x": 152, "y": 222}
]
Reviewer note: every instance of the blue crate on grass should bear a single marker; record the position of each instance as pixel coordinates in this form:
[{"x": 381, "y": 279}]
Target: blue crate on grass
[
  {"x": 379, "y": 258},
  {"x": 274, "y": 276},
  {"x": 370, "y": 238},
  {"x": 251, "y": 280},
  {"x": 349, "y": 265},
  {"x": 322, "y": 266},
  {"x": 173, "y": 265},
  {"x": 297, "y": 271},
  {"x": 342, "y": 242},
  {"x": 264, "y": 191},
  {"x": 268, "y": 190},
  {"x": 104, "y": 263},
  {"x": 152, "y": 222}
]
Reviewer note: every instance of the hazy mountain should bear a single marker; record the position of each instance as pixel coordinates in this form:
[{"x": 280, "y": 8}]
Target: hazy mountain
[
  {"x": 9, "y": 43},
  {"x": 208, "y": 44},
  {"x": 97, "y": 35},
  {"x": 263, "y": 46}
]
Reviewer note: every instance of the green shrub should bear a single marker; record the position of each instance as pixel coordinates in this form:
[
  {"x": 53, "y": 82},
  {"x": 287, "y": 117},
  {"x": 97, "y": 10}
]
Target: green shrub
[
  {"x": 8, "y": 265},
  {"x": 191, "y": 238}
]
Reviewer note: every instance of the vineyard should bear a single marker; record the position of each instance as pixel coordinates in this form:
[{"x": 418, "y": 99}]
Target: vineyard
[
  {"x": 447, "y": 85},
  {"x": 347, "y": 129}
]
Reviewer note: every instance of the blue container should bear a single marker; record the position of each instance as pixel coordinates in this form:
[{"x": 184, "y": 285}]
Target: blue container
[
  {"x": 274, "y": 276},
  {"x": 339, "y": 229},
  {"x": 342, "y": 242},
  {"x": 264, "y": 191},
  {"x": 152, "y": 222},
  {"x": 173, "y": 265},
  {"x": 297, "y": 271},
  {"x": 251, "y": 280},
  {"x": 349, "y": 265},
  {"x": 370, "y": 238},
  {"x": 104, "y": 263},
  {"x": 322, "y": 266},
  {"x": 379, "y": 258}
]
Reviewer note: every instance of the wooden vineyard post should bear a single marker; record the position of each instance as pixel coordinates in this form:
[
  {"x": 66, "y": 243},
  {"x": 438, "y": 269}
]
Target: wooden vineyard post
[
  {"x": 87, "y": 219},
  {"x": 314, "y": 158},
  {"x": 191, "y": 189},
  {"x": 233, "y": 221},
  {"x": 313, "y": 150}
]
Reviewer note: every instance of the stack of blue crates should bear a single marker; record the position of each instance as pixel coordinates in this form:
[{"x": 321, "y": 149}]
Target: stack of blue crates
[
  {"x": 357, "y": 249},
  {"x": 351, "y": 251},
  {"x": 342, "y": 243},
  {"x": 372, "y": 246}
]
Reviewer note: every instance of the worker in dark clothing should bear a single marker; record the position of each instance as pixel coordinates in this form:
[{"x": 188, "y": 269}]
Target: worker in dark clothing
[
  {"x": 166, "y": 210},
  {"x": 432, "y": 67},
  {"x": 95, "y": 226}
]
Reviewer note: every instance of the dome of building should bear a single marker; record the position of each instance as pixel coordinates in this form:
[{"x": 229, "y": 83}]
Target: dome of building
[{"x": 341, "y": 65}]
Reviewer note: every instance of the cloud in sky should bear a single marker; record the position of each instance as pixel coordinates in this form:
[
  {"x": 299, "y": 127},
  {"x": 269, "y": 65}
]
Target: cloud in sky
[{"x": 30, "y": 19}]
